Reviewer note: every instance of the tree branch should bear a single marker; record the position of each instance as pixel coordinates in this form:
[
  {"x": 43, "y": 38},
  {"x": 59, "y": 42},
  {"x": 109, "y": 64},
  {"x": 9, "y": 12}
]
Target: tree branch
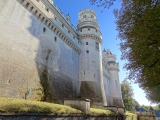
[{"x": 154, "y": 63}]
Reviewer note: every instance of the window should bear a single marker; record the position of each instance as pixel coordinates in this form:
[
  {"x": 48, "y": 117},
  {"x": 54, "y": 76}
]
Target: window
[
  {"x": 89, "y": 29},
  {"x": 91, "y": 16},
  {"x": 94, "y": 76},
  {"x": 84, "y": 16},
  {"x": 63, "y": 25},
  {"x": 47, "y": 9},
  {"x": 81, "y": 30},
  {"x": 84, "y": 72},
  {"x": 87, "y": 51},
  {"x": 86, "y": 43},
  {"x": 96, "y": 30},
  {"x": 55, "y": 39},
  {"x": 68, "y": 31},
  {"x": 44, "y": 30},
  {"x": 55, "y": 18},
  {"x": 97, "y": 46}
]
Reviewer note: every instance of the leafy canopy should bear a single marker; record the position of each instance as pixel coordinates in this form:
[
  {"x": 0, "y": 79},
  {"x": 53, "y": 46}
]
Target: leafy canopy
[
  {"x": 138, "y": 26},
  {"x": 127, "y": 95}
]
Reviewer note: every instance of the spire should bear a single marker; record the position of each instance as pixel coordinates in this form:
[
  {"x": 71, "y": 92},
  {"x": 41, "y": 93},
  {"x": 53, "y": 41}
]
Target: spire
[{"x": 104, "y": 50}]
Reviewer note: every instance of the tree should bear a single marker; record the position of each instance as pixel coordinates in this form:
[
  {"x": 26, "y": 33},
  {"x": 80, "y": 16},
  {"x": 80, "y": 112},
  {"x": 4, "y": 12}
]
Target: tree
[
  {"x": 127, "y": 95},
  {"x": 157, "y": 107},
  {"x": 138, "y": 25}
]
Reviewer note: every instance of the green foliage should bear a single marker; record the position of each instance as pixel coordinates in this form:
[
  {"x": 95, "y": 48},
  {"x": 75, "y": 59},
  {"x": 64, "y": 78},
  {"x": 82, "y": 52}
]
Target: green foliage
[
  {"x": 102, "y": 3},
  {"x": 131, "y": 116},
  {"x": 127, "y": 95},
  {"x": 47, "y": 96},
  {"x": 138, "y": 24},
  {"x": 157, "y": 107}
]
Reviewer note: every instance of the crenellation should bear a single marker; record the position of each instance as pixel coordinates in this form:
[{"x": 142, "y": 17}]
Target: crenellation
[{"x": 45, "y": 20}]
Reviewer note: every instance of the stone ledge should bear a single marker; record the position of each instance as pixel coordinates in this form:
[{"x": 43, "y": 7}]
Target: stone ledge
[
  {"x": 79, "y": 99},
  {"x": 116, "y": 109},
  {"x": 81, "y": 104}
]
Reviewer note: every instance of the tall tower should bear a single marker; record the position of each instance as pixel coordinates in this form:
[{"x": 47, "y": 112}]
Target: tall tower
[
  {"x": 113, "y": 68},
  {"x": 90, "y": 73}
]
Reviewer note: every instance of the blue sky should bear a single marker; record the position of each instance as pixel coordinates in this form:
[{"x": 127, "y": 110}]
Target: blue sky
[{"x": 107, "y": 24}]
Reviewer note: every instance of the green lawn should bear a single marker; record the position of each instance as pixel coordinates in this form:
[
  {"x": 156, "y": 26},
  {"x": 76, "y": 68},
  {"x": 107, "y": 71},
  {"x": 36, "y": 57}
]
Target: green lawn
[
  {"x": 9, "y": 105},
  {"x": 131, "y": 116}
]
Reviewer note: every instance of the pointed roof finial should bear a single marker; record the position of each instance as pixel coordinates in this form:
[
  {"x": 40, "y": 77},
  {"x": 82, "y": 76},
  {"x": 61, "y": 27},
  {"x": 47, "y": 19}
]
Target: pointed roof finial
[{"x": 104, "y": 50}]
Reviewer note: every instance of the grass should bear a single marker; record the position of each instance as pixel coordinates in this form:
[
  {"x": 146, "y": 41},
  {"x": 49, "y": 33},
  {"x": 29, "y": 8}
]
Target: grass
[
  {"x": 9, "y": 105},
  {"x": 131, "y": 116},
  {"x": 96, "y": 111}
]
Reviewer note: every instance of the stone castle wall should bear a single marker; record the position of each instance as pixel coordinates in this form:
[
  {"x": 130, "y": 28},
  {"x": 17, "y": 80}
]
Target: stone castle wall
[
  {"x": 33, "y": 59},
  {"x": 43, "y": 57}
]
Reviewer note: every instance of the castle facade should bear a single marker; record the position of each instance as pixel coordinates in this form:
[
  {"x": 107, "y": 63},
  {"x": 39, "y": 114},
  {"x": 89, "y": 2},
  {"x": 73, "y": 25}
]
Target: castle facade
[{"x": 44, "y": 57}]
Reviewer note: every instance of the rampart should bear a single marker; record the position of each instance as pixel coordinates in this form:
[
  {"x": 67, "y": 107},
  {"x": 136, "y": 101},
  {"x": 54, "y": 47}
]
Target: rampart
[{"x": 39, "y": 57}]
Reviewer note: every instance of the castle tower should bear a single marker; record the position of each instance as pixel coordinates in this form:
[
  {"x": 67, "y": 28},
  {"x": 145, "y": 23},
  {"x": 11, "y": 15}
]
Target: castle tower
[
  {"x": 113, "y": 68},
  {"x": 90, "y": 73}
]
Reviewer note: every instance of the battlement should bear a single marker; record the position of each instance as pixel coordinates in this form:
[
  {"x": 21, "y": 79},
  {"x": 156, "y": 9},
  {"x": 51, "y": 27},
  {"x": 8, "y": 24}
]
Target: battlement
[
  {"x": 113, "y": 66},
  {"x": 87, "y": 12},
  {"x": 43, "y": 11},
  {"x": 67, "y": 18},
  {"x": 84, "y": 21},
  {"x": 87, "y": 18}
]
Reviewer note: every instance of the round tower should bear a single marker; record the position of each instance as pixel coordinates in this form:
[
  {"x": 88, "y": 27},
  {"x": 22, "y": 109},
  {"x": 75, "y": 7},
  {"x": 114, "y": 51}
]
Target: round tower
[
  {"x": 90, "y": 74},
  {"x": 113, "y": 68}
]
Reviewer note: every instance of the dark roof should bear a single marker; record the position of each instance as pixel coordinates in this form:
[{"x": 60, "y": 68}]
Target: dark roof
[
  {"x": 157, "y": 113},
  {"x": 139, "y": 109},
  {"x": 104, "y": 50},
  {"x": 111, "y": 62}
]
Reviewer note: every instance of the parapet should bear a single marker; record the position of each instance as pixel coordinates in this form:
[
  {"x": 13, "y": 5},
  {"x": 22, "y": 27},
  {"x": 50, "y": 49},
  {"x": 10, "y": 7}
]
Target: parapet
[{"x": 87, "y": 11}]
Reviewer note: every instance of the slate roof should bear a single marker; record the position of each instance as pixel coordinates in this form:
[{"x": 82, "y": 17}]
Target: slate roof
[{"x": 140, "y": 109}]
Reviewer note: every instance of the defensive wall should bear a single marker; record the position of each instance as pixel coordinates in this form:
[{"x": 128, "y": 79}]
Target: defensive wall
[
  {"x": 35, "y": 54},
  {"x": 43, "y": 56}
]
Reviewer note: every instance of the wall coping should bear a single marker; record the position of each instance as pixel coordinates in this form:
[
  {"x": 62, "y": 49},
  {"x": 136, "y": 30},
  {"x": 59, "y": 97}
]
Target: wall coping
[{"x": 78, "y": 99}]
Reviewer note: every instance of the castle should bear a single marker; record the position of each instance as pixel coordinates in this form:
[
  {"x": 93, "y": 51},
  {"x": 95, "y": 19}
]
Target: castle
[{"x": 42, "y": 55}]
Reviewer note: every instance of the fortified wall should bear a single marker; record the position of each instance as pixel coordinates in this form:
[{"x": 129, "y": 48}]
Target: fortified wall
[
  {"x": 35, "y": 47},
  {"x": 43, "y": 57}
]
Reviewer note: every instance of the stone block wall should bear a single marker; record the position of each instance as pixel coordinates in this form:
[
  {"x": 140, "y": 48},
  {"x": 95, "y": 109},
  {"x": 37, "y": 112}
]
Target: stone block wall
[{"x": 32, "y": 61}]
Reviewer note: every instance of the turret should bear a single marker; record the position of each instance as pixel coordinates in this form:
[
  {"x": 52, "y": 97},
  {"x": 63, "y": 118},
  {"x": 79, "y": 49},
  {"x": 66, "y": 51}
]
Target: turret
[
  {"x": 104, "y": 56},
  {"x": 90, "y": 74},
  {"x": 113, "y": 68}
]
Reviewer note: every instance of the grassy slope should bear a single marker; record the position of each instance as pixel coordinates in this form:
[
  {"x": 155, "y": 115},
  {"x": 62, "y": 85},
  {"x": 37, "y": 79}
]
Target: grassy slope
[
  {"x": 131, "y": 116},
  {"x": 9, "y": 105}
]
